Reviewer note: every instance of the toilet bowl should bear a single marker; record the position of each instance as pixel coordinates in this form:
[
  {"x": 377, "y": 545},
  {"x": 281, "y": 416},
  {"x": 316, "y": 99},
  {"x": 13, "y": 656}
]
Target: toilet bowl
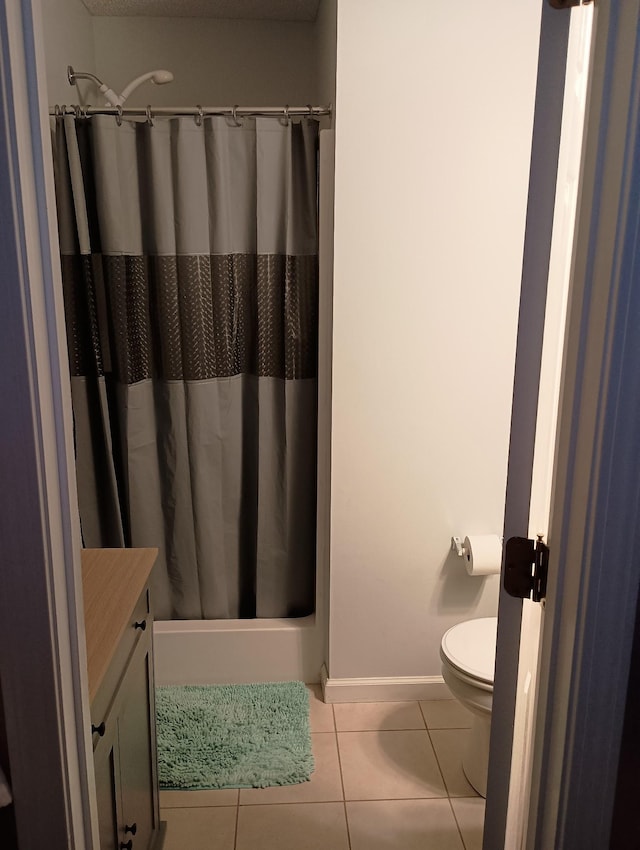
[{"x": 468, "y": 653}]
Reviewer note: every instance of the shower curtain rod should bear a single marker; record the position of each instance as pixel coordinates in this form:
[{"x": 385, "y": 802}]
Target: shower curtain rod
[{"x": 195, "y": 111}]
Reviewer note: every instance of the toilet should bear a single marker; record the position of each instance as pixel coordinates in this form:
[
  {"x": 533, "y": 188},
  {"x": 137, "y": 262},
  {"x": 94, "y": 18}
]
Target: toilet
[{"x": 468, "y": 653}]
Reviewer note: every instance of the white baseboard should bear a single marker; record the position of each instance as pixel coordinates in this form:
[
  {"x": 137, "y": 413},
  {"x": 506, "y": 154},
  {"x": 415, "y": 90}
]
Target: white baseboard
[{"x": 383, "y": 689}]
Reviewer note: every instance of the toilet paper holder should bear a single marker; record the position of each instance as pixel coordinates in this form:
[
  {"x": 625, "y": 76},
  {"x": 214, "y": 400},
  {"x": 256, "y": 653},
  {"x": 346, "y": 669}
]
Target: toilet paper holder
[
  {"x": 456, "y": 545},
  {"x": 458, "y": 548}
]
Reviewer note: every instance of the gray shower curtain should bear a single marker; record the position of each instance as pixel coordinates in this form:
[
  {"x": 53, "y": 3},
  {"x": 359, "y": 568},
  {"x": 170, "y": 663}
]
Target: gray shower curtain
[{"x": 190, "y": 273}]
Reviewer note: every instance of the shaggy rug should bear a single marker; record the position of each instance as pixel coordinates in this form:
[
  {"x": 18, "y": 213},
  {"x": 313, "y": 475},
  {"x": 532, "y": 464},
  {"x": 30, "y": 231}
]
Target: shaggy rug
[{"x": 233, "y": 736}]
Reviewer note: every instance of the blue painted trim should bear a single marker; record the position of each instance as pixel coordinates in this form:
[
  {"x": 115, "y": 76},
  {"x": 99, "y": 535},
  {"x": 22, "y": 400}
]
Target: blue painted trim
[
  {"x": 552, "y": 60},
  {"x": 612, "y": 566}
]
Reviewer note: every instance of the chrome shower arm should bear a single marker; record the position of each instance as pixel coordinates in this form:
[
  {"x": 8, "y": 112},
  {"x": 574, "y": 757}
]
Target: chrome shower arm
[
  {"x": 74, "y": 76},
  {"x": 111, "y": 97}
]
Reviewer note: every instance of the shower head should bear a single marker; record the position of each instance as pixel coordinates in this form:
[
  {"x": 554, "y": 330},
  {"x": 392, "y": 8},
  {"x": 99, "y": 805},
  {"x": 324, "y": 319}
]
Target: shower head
[
  {"x": 161, "y": 77},
  {"x": 158, "y": 77}
]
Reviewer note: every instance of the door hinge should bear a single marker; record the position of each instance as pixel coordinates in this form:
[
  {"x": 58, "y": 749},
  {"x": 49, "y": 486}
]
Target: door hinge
[
  {"x": 567, "y": 4},
  {"x": 526, "y": 568}
]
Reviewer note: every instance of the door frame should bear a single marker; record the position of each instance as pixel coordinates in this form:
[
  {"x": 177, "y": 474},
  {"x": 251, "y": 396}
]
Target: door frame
[
  {"x": 42, "y": 650},
  {"x": 594, "y": 571},
  {"x": 589, "y": 622},
  {"x": 504, "y": 773}
]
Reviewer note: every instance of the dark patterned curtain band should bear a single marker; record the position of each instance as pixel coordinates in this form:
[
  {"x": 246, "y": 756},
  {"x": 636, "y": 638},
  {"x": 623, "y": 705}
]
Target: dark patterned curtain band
[{"x": 192, "y": 317}]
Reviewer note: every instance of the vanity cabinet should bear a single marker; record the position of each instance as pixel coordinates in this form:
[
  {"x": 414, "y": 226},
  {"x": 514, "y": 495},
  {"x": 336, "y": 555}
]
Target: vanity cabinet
[{"x": 119, "y": 630}]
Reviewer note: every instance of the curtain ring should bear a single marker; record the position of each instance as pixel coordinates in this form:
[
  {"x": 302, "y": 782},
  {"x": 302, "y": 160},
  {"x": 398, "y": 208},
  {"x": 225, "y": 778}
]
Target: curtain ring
[
  {"x": 77, "y": 109},
  {"x": 56, "y": 111},
  {"x": 119, "y": 115},
  {"x": 310, "y": 108},
  {"x": 234, "y": 115},
  {"x": 149, "y": 115},
  {"x": 286, "y": 115},
  {"x": 199, "y": 117},
  {"x": 85, "y": 111}
]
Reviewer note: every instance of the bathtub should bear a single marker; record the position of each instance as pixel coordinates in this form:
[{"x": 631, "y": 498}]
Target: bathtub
[
  {"x": 199, "y": 652},
  {"x": 236, "y": 651}
]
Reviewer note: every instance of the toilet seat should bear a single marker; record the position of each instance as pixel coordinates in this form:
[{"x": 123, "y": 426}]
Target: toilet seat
[{"x": 470, "y": 648}]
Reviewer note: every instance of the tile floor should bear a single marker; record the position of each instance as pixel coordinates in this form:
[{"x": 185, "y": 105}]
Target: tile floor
[{"x": 387, "y": 775}]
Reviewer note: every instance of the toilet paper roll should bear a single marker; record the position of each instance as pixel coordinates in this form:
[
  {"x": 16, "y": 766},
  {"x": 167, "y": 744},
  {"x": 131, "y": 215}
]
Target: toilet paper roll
[{"x": 482, "y": 554}]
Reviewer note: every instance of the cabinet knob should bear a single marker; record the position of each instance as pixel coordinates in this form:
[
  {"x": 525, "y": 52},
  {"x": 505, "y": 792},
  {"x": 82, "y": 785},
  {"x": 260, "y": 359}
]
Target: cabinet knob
[
  {"x": 126, "y": 846},
  {"x": 141, "y": 625},
  {"x": 99, "y": 729},
  {"x": 132, "y": 829}
]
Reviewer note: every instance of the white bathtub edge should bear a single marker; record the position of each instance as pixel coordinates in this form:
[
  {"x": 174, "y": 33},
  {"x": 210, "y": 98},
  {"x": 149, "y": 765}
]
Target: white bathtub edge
[
  {"x": 162, "y": 627},
  {"x": 201, "y": 652}
]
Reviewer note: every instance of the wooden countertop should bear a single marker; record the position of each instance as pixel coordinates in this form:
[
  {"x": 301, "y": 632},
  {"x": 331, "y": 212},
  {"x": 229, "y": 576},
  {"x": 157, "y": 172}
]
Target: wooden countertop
[{"x": 112, "y": 581}]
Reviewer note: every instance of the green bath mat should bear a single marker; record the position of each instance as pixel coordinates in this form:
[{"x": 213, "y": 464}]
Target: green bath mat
[{"x": 233, "y": 736}]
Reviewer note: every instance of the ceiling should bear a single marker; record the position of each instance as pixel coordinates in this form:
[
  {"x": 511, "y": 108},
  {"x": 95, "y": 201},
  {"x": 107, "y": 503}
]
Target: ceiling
[{"x": 276, "y": 10}]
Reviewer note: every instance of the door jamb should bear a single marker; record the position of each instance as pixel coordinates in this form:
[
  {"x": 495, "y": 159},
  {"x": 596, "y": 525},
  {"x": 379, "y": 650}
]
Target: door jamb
[
  {"x": 552, "y": 57},
  {"x": 42, "y": 651},
  {"x": 595, "y": 524}
]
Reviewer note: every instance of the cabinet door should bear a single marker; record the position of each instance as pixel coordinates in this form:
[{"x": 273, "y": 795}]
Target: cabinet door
[
  {"x": 136, "y": 756},
  {"x": 106, "y": 772}
]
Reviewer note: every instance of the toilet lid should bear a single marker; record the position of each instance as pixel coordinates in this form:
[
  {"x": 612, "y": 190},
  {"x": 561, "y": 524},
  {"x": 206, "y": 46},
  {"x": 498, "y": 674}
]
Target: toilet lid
[{"x": 471, "y": 647}]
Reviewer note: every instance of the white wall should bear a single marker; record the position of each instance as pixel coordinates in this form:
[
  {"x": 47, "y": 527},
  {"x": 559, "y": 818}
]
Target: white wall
[
  {"x": 434, "y": 114},
  {"x": 325, "y": 43},
  {"x": 214, "y": 62},
  {"x": 68, "y": 38}
]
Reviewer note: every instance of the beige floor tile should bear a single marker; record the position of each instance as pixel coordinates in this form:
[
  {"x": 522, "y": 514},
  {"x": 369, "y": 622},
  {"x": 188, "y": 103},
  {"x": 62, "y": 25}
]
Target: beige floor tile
[
  {"x": 438, "y": 691},
  {"x": 449, "y": 745},
  {"x": 304, "y": 826},
  {"x": 200, "y": 829},
  {"x": 389, "y": 765},
  {"x": 469, "y": 812},
  {"x": 403, "y": 825},
  {"x": 198, "y": 799},
  {"x": 325, "y": 784},
  {"x": 446, "y": 714},
  {"x": 320, "y": 713},
  {"x": 363, "y": 716}
]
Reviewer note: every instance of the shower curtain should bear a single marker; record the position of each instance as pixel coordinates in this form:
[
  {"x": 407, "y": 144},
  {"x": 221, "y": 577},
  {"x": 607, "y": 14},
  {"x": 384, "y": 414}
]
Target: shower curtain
[{"x": 190, "y": 274}]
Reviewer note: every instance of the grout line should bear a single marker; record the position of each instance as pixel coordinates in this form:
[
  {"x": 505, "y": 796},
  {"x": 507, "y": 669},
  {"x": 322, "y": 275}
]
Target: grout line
[
  {"x": 287, "y": 803},
  {"x": 359, "y": 731},
  {"x": 424, "y": 716},
  {"x": 424, "y": 719},
  {"x": 435, "y": 752},
  {"x": 344, "y": 800},
  {"x": 315, "y": 802},
  {"x": 354, "y": 800},
  {"x": 404, "y": 729},
  {"x": 235, "y": 834},
  {"x": 293, "y": 803},
  {"x": 461, "y": 770},
  {"x": 180, "y": 808},
  {"x": 398, "y": 799},
  {"x": 464, "y": 843}
]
